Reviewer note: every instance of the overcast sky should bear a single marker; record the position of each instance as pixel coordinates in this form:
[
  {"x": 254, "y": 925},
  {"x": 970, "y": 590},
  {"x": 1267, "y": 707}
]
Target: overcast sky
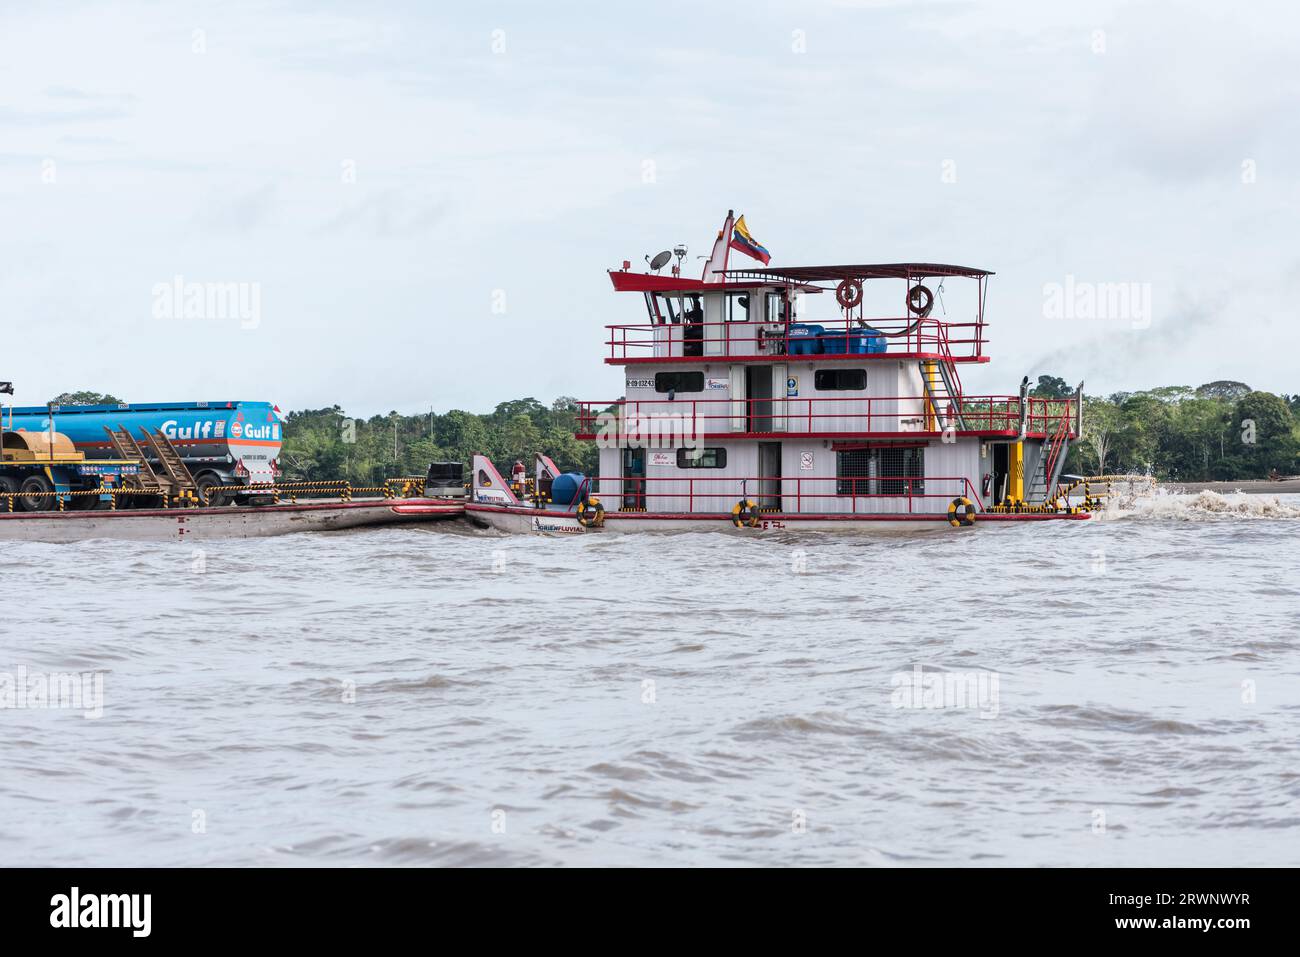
[{"x": 383, "y": 174}]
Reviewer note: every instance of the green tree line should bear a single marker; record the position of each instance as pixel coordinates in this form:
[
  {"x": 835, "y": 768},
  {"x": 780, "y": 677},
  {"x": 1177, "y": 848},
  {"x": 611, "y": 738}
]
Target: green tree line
[
  {"x": 1220, "y": 431},
  {"x": 323, "y": 444}
]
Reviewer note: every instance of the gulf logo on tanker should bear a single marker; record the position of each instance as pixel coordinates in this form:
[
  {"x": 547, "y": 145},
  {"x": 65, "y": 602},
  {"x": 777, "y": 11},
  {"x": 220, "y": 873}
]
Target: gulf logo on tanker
[
  {"x": 252, "y": 432},
  {"x": 236, "y": 430}
]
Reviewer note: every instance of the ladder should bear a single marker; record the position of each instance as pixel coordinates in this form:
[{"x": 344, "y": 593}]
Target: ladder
[
  {"x": 1047, "y": 472},
  {"x": 170, "y": 460},
  {"x": 943, "y": 373},
  {"x": 128, "y": 450},
  {"x": 940, "y": 387}
]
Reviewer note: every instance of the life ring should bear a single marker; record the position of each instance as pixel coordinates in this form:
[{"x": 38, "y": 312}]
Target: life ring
[
  {"x": 920, "y": 300},
  {"x": 961, "y": 513},
  {"x": 744, "y": 514},
  {"x": 591, "y": 514},
  {"x": 848, "y": 293}
]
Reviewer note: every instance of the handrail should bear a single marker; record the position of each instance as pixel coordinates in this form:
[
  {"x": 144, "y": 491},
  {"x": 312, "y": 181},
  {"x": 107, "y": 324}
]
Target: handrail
[
  {"x": 640, "y": 490},
  {"x": 942, "y": 332},
  {"x": 903, "y": 335},
  {"x": 842, "y": 415},
  {"x": 344, "y": 490}
]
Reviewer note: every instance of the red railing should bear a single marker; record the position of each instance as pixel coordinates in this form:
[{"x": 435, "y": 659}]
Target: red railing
[
  {"x": 903, "y": 415},
  {"x": 897, "y": 337},
  {"x": 776, "y": 493}
]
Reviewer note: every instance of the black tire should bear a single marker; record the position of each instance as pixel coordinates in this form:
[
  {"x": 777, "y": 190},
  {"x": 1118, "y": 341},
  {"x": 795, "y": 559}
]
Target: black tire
[
  {"x": 209, "y": 482},
  {"x": 37, "y": 503},
  {"x": 7, "y": 486},
  {"x": 84, "y": 503},
  {"x": 920, "y": 300}
]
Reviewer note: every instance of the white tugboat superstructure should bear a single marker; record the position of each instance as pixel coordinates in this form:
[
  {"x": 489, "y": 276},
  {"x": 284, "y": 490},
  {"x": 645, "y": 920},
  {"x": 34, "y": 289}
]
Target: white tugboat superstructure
[{"x": 740, "y": 412}]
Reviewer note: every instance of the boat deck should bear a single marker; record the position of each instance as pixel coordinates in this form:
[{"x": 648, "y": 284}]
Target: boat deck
[{"x": 225, "y": 522}]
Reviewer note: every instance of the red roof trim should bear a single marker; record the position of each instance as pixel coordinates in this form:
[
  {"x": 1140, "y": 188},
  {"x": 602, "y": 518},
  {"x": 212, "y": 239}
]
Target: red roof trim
[
  {"x": 865, "y": 271},
  {"x": 653, "y": 282}
]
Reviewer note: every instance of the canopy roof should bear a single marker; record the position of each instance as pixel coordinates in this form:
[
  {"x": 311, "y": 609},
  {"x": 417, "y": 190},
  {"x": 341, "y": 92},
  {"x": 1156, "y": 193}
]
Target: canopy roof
[{"x": 867, "y": 271}]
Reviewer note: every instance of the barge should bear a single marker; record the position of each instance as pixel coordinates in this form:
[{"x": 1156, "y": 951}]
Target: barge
[
  {"x": 763, "y": 398},
  {"x": 222, "y": 522},
  {"x": 50, "y": 491}
]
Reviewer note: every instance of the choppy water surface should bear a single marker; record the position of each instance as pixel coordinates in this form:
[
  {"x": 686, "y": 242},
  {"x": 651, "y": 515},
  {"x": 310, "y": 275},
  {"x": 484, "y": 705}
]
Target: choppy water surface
[{"x": 444, "y": 697}]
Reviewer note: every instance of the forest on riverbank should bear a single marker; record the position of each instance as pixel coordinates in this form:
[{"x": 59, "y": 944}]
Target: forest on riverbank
[
  {"x": 325, "y": 443},
  {"x": 1220, "y": 431}
]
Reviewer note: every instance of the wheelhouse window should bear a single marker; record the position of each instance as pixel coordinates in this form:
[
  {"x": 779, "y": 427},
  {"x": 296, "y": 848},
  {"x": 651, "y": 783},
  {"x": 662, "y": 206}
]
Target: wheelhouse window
[
  {"x": 840, "y": 380},
  {"x": 667, "y": 308},
  {"x": 701, "y": 458},
  {"x": 738, "y": 307},
  {"x": 692, "y": 309},
  {"x": 652, "y": 307},
  {"x": 883, "y": 470},
  {"x": 679, "y": 382},
  {"x": 778, "y": 307}
]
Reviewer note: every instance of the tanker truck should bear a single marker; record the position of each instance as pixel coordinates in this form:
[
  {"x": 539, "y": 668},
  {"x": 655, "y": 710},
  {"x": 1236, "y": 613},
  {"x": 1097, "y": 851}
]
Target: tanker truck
[{"x": 226, "y": 445}]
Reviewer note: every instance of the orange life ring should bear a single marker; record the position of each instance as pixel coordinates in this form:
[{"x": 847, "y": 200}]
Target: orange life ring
[{"x": 848, "y": 293}]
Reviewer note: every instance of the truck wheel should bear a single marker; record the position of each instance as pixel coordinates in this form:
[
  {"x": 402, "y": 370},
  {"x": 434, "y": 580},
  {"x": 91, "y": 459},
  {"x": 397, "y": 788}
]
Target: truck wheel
[
  {"x": 209, "y": 490},
  {"x": 30, "y": 502},
  {"x": 85, "y": 503},
  {"x": 7, "y": 487}
]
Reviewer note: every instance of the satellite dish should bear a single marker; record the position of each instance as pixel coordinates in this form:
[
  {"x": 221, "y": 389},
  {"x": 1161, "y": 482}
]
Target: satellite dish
[{"x": 660, "y": 260}]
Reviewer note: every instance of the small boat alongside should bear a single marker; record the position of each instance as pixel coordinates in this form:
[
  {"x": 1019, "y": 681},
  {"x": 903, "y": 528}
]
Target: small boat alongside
[{"x": 743, "y": 412}]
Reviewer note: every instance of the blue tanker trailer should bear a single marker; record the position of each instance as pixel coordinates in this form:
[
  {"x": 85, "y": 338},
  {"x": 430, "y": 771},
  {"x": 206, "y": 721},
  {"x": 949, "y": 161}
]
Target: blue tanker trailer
[{"x": 226, "y": 445}]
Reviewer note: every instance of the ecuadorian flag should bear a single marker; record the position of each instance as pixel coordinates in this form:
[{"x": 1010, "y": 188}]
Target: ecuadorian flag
[{"x": 742, "y": 241}]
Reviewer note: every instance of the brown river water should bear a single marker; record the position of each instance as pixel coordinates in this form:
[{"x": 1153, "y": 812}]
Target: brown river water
[{"x": 1124, "y": 691}]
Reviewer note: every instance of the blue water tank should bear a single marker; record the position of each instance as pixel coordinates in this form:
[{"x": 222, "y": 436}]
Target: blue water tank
[
  {"x": 865, "y": 342},
  {"x": 805, "y": 339},
  {"x": 565, "y": 488}
]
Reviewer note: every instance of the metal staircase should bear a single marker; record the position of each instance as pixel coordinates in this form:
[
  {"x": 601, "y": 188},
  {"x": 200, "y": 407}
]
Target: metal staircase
[
  {"x": 942, "y": 384},
  {"x": 128, "y": 450},
  {"x": 941, "y": 391},
  {"x": 1047, "y": 472},
  {"x": 162, "y": 458},
  {"x": 170, "y": 460}
]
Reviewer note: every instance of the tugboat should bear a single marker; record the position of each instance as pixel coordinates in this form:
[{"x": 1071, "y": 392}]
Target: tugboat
[{"x": 743, "y": 413}]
